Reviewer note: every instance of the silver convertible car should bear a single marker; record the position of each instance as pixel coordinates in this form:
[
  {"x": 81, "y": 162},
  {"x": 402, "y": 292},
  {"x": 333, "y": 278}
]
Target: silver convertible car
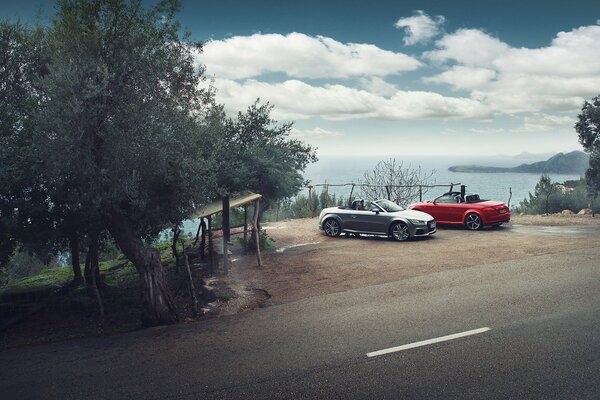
[{"x": 381, "y": 217}]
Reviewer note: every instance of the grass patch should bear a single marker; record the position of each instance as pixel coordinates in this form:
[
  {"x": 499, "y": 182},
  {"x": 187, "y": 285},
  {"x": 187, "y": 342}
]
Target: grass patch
[{"x": 46, "y": 277}]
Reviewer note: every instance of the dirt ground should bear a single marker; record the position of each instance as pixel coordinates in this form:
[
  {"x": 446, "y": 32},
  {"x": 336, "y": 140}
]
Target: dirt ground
[{"x": 308, "y": 263}]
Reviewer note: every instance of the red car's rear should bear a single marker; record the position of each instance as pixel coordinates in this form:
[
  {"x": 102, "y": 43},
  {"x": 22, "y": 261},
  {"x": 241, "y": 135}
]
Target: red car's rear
[{"x": 451, "y": 208}]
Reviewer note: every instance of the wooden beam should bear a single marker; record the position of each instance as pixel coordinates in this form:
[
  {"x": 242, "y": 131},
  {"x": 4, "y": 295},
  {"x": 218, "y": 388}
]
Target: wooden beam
[
  {"x": 226, "y": 234},
  {"x": 190, "y": 282},
  {"x": 210, "y": 245},
  {"x": 256, "y": 233},
  {"x": 245, "y": 227},
  {"x": 203, "y": 241}
]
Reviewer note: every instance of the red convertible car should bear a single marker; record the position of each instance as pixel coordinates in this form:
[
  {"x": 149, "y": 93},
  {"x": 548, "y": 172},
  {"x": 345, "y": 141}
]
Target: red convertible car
[{"x": 458, "y": 208}]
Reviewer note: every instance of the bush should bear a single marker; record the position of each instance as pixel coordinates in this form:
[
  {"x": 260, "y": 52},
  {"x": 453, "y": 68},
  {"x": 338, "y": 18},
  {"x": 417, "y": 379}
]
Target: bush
[
  {"x": 551, "y": 197},
  {"x": 301, "y": 206}
]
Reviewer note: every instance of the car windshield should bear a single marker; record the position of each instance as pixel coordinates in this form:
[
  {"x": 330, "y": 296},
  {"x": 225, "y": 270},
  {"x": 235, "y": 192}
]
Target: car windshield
[{"x": 388, "y": 206}]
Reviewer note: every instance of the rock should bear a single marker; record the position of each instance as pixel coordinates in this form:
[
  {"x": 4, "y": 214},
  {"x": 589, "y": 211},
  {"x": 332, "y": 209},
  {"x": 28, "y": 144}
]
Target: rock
[
  {"x": 208, "y": 294},
  {"x": 567, "y": 212},
  {"x": 585, "y": 211}
]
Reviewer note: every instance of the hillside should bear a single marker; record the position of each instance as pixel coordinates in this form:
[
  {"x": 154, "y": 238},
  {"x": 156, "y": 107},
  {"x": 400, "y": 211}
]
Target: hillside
[{"x": 575, "y": 162}]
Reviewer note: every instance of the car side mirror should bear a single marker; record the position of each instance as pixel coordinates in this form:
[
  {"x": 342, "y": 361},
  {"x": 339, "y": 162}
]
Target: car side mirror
[
  {"x": 375, "y": 210},
  {"x": 434, "y": 201}
]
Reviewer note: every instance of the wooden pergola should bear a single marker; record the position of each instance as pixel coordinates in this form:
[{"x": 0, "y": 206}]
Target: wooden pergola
[{"x": 224, "y": 206}]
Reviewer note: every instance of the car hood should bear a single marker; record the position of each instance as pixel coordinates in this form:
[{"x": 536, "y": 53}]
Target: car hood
[{"x": 413, "y": 214}]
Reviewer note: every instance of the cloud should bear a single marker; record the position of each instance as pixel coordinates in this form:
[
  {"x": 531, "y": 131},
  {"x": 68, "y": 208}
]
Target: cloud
[
  {"x": 295, "y": 99},
  {"x": 299, "y": 56},
  {"x": 315, "y": 132},
  {"x": 487, "y": 131},
  {"x": 462, "y": 77},
  {"x": 469, "y": 47},
  {"x": 539, "y": 122},
  {"x": 557, "y": 77},
  {"x": 420, "y": 28},
  {"x": 378, "y": 86}
]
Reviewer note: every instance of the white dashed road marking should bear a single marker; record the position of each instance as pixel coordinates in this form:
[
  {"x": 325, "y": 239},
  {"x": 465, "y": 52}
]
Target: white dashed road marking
[{"x": 427, "y": 342}]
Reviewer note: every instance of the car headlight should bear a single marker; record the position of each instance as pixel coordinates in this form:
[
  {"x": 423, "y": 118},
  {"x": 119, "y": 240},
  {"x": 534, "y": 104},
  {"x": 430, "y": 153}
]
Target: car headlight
[{"x": 417, "y": 222}]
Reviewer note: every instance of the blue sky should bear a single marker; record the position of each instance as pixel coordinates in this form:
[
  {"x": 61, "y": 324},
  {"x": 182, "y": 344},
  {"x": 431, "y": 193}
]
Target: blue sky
[{"x": 402, "y": 77}]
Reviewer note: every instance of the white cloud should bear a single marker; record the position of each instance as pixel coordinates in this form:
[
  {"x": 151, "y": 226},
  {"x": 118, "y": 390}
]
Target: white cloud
[
  {"x": 487, "y": 131},
  {"x": 461, "y": 77},
  {"x": 298, "y": 100},
  {"x": 315, "y": 132},
  {"x": 539, "y": 122},
  {"x": 553, "y": 78},
  {"x": 299, "y": 56},
  {"x": 420, "y": 28},
  {"x": 378, "y": 86},
  {"x": 469, "y": 47}
]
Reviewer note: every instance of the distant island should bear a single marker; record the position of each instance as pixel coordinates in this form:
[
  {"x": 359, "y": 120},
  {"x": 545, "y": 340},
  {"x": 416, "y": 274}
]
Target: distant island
[{"x": 575, "y": 162}]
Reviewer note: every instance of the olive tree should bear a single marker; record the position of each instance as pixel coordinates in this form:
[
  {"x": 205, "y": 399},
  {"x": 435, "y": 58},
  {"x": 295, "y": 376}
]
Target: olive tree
[{"x": 119, "y": 127}]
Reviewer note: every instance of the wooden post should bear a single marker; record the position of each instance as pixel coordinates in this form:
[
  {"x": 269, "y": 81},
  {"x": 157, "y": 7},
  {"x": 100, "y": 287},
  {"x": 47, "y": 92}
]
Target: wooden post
[
  {"x": 203, "y": 241},
  {"x": 176, "y": 232},
  {"x": 350, "y": 197},
  {"x": 389, "y": 192},
  {"x": 211, "y": 253},
  {"x": 190, "y": 282},
  {"x": 255, "y": 232},
  {"x": 226, "y": 234},
  {"x": 510, "y": 196},
  {"x": 420, "y": 193},
  {"x": 245, "y": 227},
  {"x": 198, "y": 233},
  {"x": 310, "y": 202}
]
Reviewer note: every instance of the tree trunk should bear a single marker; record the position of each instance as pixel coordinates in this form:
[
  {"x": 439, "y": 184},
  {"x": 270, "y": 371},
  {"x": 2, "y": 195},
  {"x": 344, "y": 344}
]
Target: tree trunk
[
  {"x": 176, "y": 232},
  {"x": 157, "y": 302},
  {"x": 95, "y": 273},
  {"x": 74, "y": 244}
]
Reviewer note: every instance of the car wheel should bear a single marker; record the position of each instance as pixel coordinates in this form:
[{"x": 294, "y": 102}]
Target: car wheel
[
  {"x": 473, "y": 222},
  {"x": 332, "y": 227},
  {"x": 399, "y": 231}
]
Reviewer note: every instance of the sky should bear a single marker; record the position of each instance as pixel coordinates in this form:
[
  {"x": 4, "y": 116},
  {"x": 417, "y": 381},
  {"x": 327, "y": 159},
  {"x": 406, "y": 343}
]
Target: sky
[{"x": 453, "y": 78}]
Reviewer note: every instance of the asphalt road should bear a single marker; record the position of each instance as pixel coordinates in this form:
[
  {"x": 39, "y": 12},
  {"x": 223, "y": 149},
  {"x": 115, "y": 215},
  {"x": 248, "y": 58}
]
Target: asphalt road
[{"x": 543, "y": 315}]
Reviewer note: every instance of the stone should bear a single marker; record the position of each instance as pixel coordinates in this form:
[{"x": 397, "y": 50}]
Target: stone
[
  {"x": 567, "y": 212},
  {"x": 585, "y": 211},
  {"x": 208, "y": 294}
]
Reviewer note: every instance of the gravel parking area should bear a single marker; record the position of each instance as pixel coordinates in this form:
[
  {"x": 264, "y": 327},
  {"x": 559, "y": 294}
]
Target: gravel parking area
[{"x": 308, "y": 263}]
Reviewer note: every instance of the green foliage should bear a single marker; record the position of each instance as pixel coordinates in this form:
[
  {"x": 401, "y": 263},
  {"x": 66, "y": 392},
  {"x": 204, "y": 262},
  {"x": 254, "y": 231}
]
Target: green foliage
[
  {"x": 24, "y": 202},
  {"x": 21, "y": 265},
  {"x": 120, "y": 123},
  {"x": 267, "y": 243},
  {"x": 255, "y": 153},
  {"x": 549, "y": 197},
  {"x": 588, "y": 129},
  {"x": 302, "y": 207}
]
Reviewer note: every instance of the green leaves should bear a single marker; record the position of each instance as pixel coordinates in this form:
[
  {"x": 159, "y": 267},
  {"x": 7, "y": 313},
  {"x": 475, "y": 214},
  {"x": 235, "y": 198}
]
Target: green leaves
[{"x": 588, "y": 128}]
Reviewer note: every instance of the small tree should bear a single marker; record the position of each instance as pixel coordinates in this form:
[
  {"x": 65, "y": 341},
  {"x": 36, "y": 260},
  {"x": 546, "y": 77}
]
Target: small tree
[
  {"x": 588, "y": 128},
  {"x": 254, "y": 152},
  {"x": 544, "y": 189},
  {"x": 390, "y": 179}
]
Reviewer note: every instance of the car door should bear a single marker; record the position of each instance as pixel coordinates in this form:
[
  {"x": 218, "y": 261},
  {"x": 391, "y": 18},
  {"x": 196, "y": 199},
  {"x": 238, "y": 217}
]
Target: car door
[
  {"x": 364, "y": 221},
  {"x": 444, "y": 208}
]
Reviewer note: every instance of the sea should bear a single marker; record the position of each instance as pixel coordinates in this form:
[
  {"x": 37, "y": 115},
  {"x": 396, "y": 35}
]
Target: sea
[{"x": 490, "y": 186}]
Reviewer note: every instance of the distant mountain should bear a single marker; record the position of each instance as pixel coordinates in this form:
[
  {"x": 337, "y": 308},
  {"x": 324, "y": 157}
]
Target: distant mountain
[{"x": 575, "y": 162}]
